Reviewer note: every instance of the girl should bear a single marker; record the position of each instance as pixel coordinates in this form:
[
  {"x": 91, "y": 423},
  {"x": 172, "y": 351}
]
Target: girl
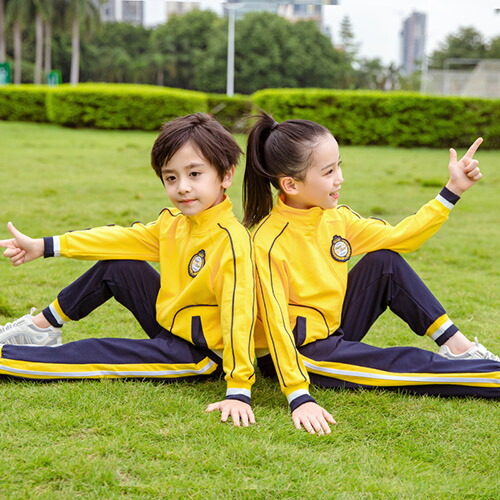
[{"x": 311, "y": 316}]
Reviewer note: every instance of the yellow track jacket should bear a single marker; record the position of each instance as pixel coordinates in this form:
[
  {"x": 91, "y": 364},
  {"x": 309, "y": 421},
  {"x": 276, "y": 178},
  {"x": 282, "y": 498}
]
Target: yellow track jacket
[
  {"x": 301, "y": 258},
  {"x": 207, "y": 290}
]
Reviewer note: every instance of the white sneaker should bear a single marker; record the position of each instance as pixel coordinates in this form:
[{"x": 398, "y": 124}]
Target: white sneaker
[
  {"x": 477, "y": 351},
  {"x": 23, "y": 331}
]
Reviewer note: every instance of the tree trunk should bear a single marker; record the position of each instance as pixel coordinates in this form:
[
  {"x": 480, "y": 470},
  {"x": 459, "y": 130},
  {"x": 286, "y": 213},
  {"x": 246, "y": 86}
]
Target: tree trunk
[
  {"x": 75, "y": 52},
  {"x": 48, "y": 48},
  {"x": 2, "y": 32},
  {"x": 39, "y": 49},
  {"x": 17, "y": 52}
]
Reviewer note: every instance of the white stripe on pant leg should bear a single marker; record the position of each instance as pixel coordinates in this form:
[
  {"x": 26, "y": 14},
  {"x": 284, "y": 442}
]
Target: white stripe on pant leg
[
  {"x": 441, "y": 330},
  {"x": 102, "y": 373},
  {"x": 403, "y": 378},
  {"x": 56, "y": 315}
]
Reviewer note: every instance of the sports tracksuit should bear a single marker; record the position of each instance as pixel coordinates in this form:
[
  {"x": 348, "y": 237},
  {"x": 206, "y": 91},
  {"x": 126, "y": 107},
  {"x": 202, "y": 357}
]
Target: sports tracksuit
[
  {"x": 312, "y": 317},
  {"x": 199, "y": 311}
]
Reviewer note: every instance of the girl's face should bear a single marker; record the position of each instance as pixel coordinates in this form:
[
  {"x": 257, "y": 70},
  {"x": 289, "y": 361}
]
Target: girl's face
[{"x": 323, "y": 180}]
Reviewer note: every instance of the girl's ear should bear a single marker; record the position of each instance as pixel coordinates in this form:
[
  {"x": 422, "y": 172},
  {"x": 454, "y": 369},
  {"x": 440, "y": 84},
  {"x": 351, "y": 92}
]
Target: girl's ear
[
  {"x": 288, "y": 185},
  {"x": 228, "y": 178}
]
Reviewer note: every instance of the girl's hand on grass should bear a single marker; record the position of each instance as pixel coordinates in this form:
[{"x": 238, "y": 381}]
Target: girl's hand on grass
[
  {"x": 21, "y": 248},
  {"x": 235, "y": 409},
  {"x": 464, "y": 173},
  {"x": 313, "y": 417}
]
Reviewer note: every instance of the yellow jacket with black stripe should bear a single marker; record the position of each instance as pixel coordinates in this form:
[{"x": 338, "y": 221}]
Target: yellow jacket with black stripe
[
  {"x": 207, "y": 292},
  {"x": 301, "y": 258}
]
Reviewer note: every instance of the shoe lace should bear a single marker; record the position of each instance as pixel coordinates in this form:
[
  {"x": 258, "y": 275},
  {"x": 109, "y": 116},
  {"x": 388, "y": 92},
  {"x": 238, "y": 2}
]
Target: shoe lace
[
  {"x": 8, "y": 326},
  {"x": 485, "y": 353}
]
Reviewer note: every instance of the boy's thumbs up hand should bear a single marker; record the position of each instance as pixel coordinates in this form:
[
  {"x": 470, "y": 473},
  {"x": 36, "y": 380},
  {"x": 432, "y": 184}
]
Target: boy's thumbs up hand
[{"x": 21, "y": 248}]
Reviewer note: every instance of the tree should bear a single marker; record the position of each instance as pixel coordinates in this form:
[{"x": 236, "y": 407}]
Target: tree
[
  {"x": 466, "y": 43},
  {"x": 348, "y": 45},
  {"x": 18, "y": 14},
  {"x": 38, "y": 6},
  {"x": 3, "y": 43},
  {"x": 79, "y": 12},
  {"x": 183, "y": 41},
  {"x": 271, "y": 52},
  {"x": 53, "y": 15}
]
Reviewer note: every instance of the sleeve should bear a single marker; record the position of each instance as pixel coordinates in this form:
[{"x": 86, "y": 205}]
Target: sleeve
[
  {"x": 368, "y": 235},
  {"x": 234, "y": 288},
  {"x": 139, "y": 242},
  {"x": 272, "y": 300}
]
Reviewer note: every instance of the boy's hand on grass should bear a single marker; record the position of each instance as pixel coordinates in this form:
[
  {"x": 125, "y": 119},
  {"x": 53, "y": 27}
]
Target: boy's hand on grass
[
  {"x": 464, "y": 173},
  {"x": 21, "y": 248},
  {"x": 314, "y": 418},
  {"x": 237, "y": 410}
]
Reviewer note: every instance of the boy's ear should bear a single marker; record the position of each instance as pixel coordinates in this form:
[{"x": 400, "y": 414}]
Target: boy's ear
[
  {"x": 227, "y": 180},
  {"x": 288, "y": 185}
]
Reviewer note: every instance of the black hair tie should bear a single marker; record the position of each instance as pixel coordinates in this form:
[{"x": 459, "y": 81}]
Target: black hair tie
[{"x": 274, "y": 125}]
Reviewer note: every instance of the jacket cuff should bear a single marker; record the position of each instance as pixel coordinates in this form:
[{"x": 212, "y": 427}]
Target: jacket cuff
[
  {"x": 242, "y": 395},
  {"x": 298, "y": 398},
  {"x": 49, "y": 247},
  {"x": 447, "y": 198}
]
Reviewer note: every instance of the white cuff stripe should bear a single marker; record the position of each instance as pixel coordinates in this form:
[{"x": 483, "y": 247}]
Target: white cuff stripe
[
  {"x": 56, "y": 314},
  {"x": 444, "y": 202},
  {"x": 441, "y": 330},
  {"x": 57, "y": 246},
  {"x": 296, "y": 394},
  {"x": 244, "y": 392}
]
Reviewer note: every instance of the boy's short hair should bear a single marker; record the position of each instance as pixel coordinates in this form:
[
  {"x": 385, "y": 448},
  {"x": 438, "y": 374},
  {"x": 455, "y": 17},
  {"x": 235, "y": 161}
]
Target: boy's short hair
[{"x": 214, "y": 142}]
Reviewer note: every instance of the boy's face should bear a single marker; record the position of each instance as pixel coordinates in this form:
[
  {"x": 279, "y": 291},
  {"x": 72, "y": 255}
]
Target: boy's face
[{"x": 192, "y": 183}]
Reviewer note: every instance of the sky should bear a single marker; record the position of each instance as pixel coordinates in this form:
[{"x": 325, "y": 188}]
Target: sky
[{"x": 377, "y": 23}]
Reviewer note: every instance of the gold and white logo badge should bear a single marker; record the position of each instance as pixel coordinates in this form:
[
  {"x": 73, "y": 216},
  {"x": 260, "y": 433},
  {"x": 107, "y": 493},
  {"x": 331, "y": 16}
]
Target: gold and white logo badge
[
  {"x": 196, "y": 263},
  {"x": 341, "y": 249}
]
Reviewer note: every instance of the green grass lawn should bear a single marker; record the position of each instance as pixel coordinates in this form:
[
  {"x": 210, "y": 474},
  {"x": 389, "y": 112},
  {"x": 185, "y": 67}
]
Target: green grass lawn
[{"x": 118, "y": 439}]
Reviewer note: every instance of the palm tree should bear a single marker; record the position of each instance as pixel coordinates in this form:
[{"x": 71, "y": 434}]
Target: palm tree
[
  {"x": 79, "y": 12},
  {"x": 18, "y": 13},
  {"x": 38, "y": 5},
  {"x": 53, "y": 15},
  {"x": 3, "y": 52}
]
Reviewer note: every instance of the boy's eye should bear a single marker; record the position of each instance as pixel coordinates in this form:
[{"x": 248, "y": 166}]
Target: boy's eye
[
  {"x": 169, "y": 178},
  {"x": 195, "y": 174}
]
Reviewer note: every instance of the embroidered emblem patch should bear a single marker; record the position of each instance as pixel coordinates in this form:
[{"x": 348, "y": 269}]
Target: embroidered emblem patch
[
  {"x": 196, "y": 263},
  {"x": 341, "y": 249}
]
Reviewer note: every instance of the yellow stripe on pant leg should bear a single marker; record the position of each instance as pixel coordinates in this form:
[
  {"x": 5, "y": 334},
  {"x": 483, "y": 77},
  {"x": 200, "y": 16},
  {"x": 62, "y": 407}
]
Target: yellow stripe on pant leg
[
  {"x": 437, "y": 325},
  {"x": 30, "y": 369},
  {"x": 57, "y": 307},
  {"x": 379, "y": 378}
]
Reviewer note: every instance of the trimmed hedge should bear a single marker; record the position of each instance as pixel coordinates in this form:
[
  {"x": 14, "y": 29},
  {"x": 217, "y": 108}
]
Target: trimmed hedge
[
  {"x": 389, "y": 118},
  {"x": 24, "y": 103},
  {"x": 116, "y": 106},
  {"x": 354, "y": 117}
]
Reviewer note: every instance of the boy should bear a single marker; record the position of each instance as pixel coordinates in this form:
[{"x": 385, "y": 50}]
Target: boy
[{"x": 199, "y": 312}]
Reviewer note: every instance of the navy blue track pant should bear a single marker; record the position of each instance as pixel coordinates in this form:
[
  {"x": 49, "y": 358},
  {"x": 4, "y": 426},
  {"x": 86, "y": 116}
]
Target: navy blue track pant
[
  {"x": 134, "y": 284},
  {"x": 380, "y": 280}
]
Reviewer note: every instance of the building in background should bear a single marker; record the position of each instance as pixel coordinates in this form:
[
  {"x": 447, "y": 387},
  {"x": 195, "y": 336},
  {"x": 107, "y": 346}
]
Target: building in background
[
  {"x": 144, "y": 12},
  {"x": 179, "y": 8},
  {"x": 413, "y": 36},
  {"x": 129, "y": 11},
  {"x": 154, "y": 12},
  {"x": 293, "y": 10}
]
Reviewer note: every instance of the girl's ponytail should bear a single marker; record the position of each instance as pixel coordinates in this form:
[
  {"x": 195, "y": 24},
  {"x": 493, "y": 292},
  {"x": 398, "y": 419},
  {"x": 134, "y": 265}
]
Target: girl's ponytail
[
  {"x": 275, "y": 150},
  {"x": 257, "y": 191}
]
